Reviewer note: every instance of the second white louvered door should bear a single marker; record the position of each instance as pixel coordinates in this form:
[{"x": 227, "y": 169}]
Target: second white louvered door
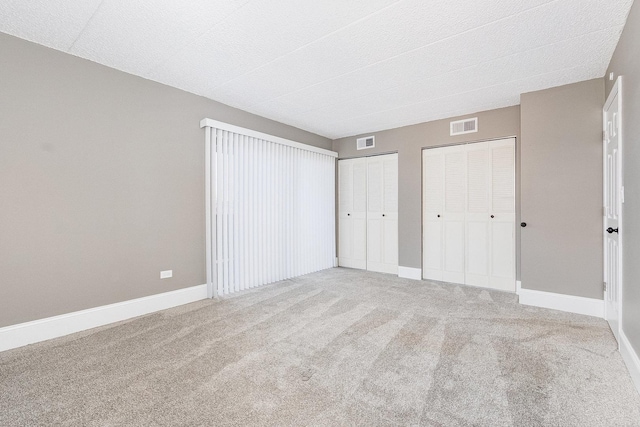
[
  {"x": 382, "y": 213},
  {"x": 444, "y": 187},
  {"x": 469, "y": 214}
]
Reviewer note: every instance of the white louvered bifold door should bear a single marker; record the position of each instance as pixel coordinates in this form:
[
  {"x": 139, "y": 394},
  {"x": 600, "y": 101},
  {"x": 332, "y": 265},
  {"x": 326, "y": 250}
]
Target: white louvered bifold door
[
  {"x": 352, "y": 213},
  {"x": 270, "y": 208},
  {"x": 382, "y": 213},
  {"x": 502, "y": 229},
  {"x": 444, "y": 204},
  {"x": 478, "y": 214},
  {"x": 432, "y": 211},
  {"x": 453, "y": 218}
]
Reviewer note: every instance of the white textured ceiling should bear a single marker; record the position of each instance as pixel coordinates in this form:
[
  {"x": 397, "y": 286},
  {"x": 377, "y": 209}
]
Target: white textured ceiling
[{"x": 337, "y": 67}]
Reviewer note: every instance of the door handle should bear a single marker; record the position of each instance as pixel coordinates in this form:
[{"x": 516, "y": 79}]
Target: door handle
[
  {"x": 382, "y": 214},
  {"x": 612, "y": 230},
  {"x": 523, "y": 224},
  {"x": 348, "y": 214}
]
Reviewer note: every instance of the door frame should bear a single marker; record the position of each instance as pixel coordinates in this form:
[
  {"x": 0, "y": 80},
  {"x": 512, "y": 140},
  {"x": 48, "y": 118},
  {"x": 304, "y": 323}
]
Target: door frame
[{"x": 615, "y": 90}]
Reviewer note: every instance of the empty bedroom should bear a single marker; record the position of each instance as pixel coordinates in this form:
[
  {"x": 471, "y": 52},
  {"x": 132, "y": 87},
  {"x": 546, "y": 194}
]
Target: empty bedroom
[{"x": 319, "y": 213}]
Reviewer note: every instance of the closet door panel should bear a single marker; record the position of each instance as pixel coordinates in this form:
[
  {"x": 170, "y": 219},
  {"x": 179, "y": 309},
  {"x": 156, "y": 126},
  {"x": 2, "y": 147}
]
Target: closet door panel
[
  {"x": 375, "y": 238},
  {"x": 390, "y": 212},
  {"x": 375, "y": 241},
  {"x": 502, "y": 275},
  {"x": 455, "y": 180},
  {"x": 432, "y": 249},
  {"x": 454, "y": 213},
  {"x": 453, "y": 251},
  {"x": 359, "y": 177},
  {"x": 502, "y": 231},
  {"x": 432, "y": 211},
  {"x": 477, "y": 217},
  {"x": 477, "y": 260},
  {"x": 345, "y": 189},
  {"x": 382, "y": 213},
  {"x": 390, "y": 248},
  {"x": 360, "y": 241},
  {"x": 375, "y": 185},
  {"x": 503, "y": 176},
  {"x": 345, "y": 240},
  {"x": 352, "y": 213},
  {"x": 478, "y": 178}
]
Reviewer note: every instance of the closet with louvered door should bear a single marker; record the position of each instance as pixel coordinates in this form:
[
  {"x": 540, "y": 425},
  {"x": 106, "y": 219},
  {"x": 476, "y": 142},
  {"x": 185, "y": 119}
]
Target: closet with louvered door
[
  {"x": 469, "y": 214},
  {"x": 368, "y": 213}
]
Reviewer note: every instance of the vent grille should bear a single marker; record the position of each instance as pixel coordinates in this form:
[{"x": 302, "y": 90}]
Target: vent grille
[
  {"x": 460, "y": 127},
  {"x": 366, "y": 142}
]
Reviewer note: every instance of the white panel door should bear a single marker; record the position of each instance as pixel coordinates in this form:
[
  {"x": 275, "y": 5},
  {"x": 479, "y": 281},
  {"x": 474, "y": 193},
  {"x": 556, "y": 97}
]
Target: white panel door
[
  {"x": 382, "y": 213},
  {"x": 352, "y": 213},
  {"x": 502, "y": 230},
  {"x": 613, "y": 210}
]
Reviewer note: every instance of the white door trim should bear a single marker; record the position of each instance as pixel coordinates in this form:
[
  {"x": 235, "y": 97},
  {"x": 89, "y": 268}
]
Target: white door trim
[{"x": 616, "y": 90}]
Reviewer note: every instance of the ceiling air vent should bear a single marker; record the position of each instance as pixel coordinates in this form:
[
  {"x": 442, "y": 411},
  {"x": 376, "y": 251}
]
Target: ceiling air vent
[
  {"x": 367, "y": 142},
  {"x": 460, "y": 127}
]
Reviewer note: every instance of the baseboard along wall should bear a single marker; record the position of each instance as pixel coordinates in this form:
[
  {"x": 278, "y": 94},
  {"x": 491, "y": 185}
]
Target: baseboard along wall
[
  {"x": 631, "y": 359},
  {"x": 568, "y": 303},
  {"x": 581, "y": 305},
  {"x": 410, "y": 273},
  {"x": 22, "y": 334}
]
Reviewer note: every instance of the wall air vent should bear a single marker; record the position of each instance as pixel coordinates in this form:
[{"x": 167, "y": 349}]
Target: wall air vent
[
  {"x": 460, "y": 127},
  {"x": 366, "y": 142}
]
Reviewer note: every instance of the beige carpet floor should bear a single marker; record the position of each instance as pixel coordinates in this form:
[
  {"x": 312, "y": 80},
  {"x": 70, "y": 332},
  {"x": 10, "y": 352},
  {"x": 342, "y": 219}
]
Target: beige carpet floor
[{"x": 337, "y": 347}]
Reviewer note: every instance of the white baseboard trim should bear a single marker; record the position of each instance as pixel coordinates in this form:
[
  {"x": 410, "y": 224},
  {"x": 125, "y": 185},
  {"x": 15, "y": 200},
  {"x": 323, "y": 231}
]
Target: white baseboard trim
[
  {"x": 569, "y": 303},
  {"x": 631, "y": 359},
  {"x": 57, "y": 326},
  {"x": 410, "y": 273},
  {"x": 518, "y": 287},
  {"x": 335, "y": 262}
]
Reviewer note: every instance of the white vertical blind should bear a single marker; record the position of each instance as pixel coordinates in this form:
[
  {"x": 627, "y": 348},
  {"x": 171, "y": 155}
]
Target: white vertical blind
[{"x": 270, "y": 208}]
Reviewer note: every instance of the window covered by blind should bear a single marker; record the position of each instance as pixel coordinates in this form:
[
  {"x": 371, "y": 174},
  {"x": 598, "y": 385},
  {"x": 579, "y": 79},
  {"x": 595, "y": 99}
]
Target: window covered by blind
[{"x": 270, "y": 208}]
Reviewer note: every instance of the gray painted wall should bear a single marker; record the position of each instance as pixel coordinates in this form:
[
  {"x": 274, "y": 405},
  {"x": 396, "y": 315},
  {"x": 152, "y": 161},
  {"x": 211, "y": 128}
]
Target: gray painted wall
[
  {"x": 101, "y": 182},
  {"x": 561, "y": 247},
  {"x": 409, "y": 141},
  {"x": 626, "y": 63}
]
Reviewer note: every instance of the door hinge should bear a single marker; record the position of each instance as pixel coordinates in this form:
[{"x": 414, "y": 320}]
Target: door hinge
[{"x": 604, "y": 286}]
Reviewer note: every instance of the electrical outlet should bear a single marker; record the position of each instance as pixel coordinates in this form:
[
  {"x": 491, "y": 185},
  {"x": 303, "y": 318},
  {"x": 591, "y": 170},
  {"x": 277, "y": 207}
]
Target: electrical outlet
[{"x": 166, "y": 274}]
